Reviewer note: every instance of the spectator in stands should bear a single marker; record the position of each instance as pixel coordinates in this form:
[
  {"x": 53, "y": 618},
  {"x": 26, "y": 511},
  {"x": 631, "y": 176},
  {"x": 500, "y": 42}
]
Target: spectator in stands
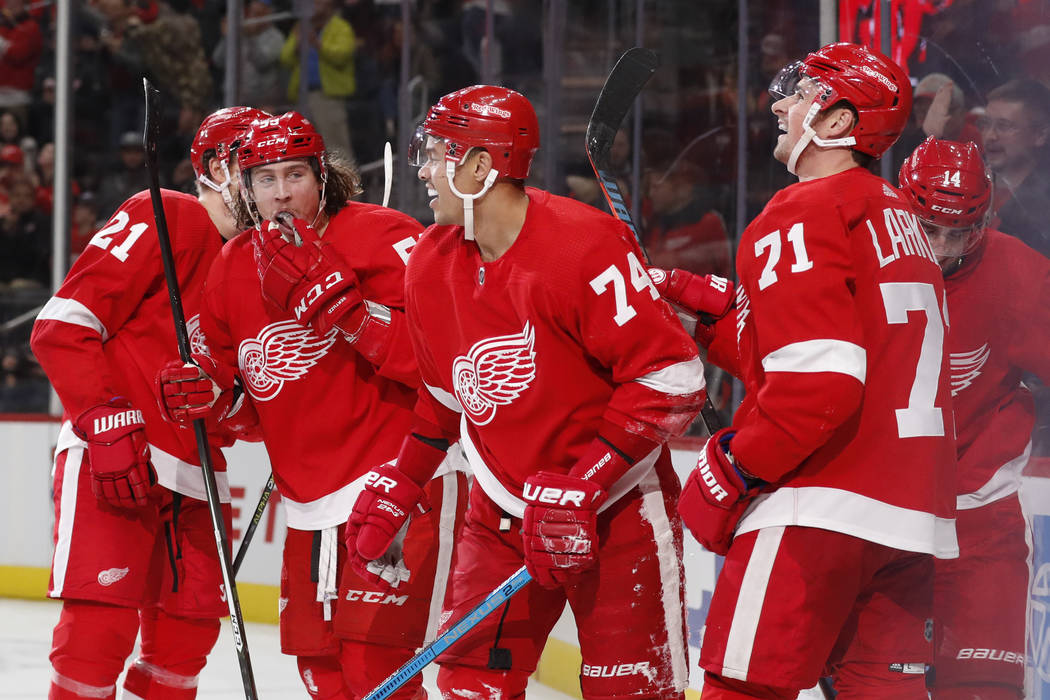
[
  {"x": 41, "y": 122},
  {"x": 11, "y": 160},
  {"x": 173, "y": 54},
  {"x": 683, "y": 230},
  {"x": 24, "y": 238},
  {"x": 10, "y": 128},
  {"x": 85, "y": 222},
  {"x": 21, "y": 43},
  {"x": 120, "y": 65},
  {"x": 261, "y": 44},
  {"x": 330, "y": 44},
  {"x": 124, "y": 180},
  {"x": 1016, "y": 133}
]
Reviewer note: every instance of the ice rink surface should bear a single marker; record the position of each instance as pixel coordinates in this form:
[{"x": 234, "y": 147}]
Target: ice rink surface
[{"x": 25, "y": 640}]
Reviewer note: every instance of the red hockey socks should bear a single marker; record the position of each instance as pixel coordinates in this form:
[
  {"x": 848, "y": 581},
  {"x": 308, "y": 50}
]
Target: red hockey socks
[
  {"x": 366, "y": 665},
  {"x": 89, "y": 646},
  {"x": 323, "y": 677},
  {"x": 174, "y": 650}
]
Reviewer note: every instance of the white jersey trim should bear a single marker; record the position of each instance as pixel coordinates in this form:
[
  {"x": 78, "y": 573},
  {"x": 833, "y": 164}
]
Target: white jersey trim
[
  {"x": 679, "y": 379},
  {"x": 853, "y": 514},
  {"x": 446, "y": 399},
  {"x": 823, "y": 355},
  {"x": 512, "y": 503},
  {"x": 654, "y": 511},
  {"x": 66, "y": 517},
  {"x": 740, "y": 642},
  {"x": 446, "y": 535},
  {"x": 71, "y": 311},
  {"x": 334, "y": 508},
  {"x": 172, "y": 473},
  {"x": 1005, "y": 481}
]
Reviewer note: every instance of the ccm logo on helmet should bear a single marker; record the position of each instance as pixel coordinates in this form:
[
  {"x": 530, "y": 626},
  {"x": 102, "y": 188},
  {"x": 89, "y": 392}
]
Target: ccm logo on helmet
[
  {"x": 946, "y": 210},
  {"x": 486, "y": 110}
]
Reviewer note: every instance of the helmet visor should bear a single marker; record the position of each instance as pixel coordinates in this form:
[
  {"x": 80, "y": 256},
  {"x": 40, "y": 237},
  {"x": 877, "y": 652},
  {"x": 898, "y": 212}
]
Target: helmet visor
[
  {"x": 950, "y": 243},
  {"x": 417, "y": 148},
  {"x": 785, "y": 82}
]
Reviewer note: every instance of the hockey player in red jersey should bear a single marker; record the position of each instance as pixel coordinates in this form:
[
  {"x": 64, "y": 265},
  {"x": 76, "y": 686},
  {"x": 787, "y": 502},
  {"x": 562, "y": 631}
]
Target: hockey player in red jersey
[
  {"x": 134, "y": 545},
  {"x": 544, "y": 347},
  {"x": 309, "y": 313},
  {"x": 834, "y": 485},
  {"x": 999, "y": 305}
]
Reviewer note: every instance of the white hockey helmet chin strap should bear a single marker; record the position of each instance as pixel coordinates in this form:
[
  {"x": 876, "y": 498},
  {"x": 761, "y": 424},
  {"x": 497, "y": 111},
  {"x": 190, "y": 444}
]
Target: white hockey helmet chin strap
[
  {"x": 224, "y": 188},
  {"x": 808, "y": 134},
  {"x": 468, "y": 199}
]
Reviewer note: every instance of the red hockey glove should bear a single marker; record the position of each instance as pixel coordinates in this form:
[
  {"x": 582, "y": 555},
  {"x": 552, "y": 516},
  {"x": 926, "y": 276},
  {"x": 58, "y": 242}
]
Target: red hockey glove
[
  {"x": 309, "y": 280},
  {"x": 382, "y": 509},
  {"x": 715, "y": 495},
  {"x": 187, "y": 392},
  {"x": 117, "y": 453},
  {"x": 560, "y": 530},
  {"x": 708, "y": 296}
]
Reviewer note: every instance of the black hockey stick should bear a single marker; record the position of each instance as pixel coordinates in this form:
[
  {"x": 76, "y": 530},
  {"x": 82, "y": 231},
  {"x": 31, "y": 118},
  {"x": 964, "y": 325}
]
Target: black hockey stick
[
  {"x": 630, "y": 74},
  {"x": 242, "y": 548},
  {"x": 149, "y": 144}
]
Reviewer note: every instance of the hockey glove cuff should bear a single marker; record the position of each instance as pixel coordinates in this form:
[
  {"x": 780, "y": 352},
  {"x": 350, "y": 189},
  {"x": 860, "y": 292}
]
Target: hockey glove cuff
[
  {"x": 716, "y": 494},
  {"x": 117, "y": 453},
  {"x": 560, "y": 526}
]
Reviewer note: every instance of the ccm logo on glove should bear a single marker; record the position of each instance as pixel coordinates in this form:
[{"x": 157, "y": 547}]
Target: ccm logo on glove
[
  {"x": 315, "y": 292},
  {"x": 553, "y": 496},
  {"x": 104, "y": 424}
]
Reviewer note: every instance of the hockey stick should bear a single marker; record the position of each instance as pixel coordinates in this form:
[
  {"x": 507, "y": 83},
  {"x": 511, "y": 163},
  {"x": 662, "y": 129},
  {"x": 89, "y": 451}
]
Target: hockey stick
[
  {"x": 149, "y": 144},
  {"x": 518, "y": 580},
  {"x": 242, "y": 548},
  {"x": 630, "y": 74},
  {"x": 388, "y": 172}
]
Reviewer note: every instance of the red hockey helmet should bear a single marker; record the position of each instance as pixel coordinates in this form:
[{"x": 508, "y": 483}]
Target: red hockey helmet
[
  {"x": 221, "y": 131},
  {"x": 286, "y": 137},
  {"x": 947, "y": 183},
  {"x": 877, "y": 88},
  {"x": 495, "y": 118}
]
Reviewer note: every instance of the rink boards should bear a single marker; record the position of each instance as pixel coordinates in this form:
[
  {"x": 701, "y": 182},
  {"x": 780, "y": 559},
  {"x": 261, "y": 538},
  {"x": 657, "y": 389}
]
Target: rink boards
[{"x": 26, "y": 516}]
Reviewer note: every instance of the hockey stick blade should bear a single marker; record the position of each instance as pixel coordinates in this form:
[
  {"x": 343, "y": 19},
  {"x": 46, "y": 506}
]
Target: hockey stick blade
[
  {"x": 518, "y": 580},
  {"x": 630, "y": 74},
  {"x": 150, "y": 136},
  {"x": 627, "y": 78}
]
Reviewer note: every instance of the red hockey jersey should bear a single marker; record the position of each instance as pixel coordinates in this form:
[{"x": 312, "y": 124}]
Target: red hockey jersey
[
  {"x": 108, "y": 330},
  {"x": 537, "y": 348},
  {"x": 999, "y": 303},
  {"x": 326, "y": 414},
  {"x": 840, "y": 333}
]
